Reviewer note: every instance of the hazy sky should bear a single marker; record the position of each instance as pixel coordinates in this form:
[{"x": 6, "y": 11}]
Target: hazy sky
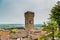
[{"x": 12, "y": 11}]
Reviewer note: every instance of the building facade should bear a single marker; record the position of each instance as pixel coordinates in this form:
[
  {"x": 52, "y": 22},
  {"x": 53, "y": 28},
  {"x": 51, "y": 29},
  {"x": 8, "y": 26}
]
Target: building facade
[{"x": 29, "y": 20}]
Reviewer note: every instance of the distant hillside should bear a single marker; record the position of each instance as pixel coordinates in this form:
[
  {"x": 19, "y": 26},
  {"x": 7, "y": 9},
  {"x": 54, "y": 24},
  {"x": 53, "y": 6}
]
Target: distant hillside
[
  {"x": 37, "y": 25},
  {"x": 4, "y": 26}
]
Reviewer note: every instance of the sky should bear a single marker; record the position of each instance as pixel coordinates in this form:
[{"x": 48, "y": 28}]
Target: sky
[{"x": 12, "y": 11}]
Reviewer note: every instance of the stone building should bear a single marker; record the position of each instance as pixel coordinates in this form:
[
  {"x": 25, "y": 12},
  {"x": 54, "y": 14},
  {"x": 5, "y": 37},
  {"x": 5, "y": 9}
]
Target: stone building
[{"x": 29, "y": 20}]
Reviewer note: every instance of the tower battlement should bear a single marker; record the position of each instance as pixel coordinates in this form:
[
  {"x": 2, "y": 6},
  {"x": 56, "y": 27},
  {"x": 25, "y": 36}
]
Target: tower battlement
[{"x": 29, "y": 14}]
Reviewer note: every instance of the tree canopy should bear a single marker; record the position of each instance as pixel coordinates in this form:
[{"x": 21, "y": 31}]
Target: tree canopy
[{"x": 55, "y": 13}]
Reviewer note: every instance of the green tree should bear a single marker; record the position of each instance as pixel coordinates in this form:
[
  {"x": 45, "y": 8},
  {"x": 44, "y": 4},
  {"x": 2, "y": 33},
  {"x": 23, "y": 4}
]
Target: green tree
[
  {"x": 55, "y": 14},
  {"x": 52, "y": 27},
  {"x": 44, "y": 24}
]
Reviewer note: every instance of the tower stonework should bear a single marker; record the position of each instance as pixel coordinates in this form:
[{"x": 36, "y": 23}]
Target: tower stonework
[{"x": 29, "y": 20}]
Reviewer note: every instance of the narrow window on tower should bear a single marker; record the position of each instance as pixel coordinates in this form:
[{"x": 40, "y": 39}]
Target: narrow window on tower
[{"x": 30, "y": 22}]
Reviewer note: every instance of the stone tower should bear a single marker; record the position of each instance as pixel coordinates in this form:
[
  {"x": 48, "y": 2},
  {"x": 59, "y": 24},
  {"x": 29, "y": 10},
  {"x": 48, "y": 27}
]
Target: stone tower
[{"x": 29, "y": 20}]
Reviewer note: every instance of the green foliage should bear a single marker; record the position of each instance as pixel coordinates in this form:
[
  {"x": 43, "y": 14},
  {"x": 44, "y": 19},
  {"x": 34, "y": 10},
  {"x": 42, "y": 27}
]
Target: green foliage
[
  {"x": 50, "y": 35},
  {"x": 55, "y": 17},
  {"x": 44, "y": 25},
  {"x": 55, "y": 13},
  {"x": 13, "y": 31},
  {"x": 41, "y": 38},
  {"x": 51, "y": 25},
  {"x": 57, "y": 34}
]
